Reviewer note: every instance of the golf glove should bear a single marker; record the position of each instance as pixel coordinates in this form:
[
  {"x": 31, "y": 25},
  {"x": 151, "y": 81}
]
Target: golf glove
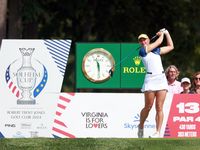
[
  {"x": 162, "y": 29},
  {"x": 165, "y": 31}
]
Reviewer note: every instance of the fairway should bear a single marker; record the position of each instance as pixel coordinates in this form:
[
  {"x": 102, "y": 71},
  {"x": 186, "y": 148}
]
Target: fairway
[{"x": 100, "y": 144}]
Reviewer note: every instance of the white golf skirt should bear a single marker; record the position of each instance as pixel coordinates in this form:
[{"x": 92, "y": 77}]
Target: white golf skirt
[{"x": 155, "y": 82}]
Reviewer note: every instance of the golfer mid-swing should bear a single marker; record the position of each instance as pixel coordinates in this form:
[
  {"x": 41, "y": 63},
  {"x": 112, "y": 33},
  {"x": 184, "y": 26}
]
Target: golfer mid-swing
[{"x": 155, "y": 82}]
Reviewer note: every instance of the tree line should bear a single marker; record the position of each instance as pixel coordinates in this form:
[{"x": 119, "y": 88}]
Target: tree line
[{"x": 106, "y": 21}]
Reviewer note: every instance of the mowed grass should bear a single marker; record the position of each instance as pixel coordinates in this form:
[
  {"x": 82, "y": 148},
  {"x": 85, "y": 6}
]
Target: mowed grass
[{"x": 100, "y": 144}]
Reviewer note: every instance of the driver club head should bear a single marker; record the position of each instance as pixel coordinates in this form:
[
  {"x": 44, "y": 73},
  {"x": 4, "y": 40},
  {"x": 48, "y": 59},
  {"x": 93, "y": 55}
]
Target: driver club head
[{"x": 111, "y": 72}]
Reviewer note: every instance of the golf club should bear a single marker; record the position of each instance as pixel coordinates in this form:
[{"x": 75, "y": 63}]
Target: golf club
[{"x": 111, "y": 72}]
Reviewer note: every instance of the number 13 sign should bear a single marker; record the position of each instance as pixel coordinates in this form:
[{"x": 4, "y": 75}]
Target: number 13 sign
[{"x": 184, "y": 116}]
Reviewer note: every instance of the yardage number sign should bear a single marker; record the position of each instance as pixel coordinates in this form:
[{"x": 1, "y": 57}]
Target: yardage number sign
[
  {"x": 184, "y": 117},
  {"x": 191, "y": 107}
]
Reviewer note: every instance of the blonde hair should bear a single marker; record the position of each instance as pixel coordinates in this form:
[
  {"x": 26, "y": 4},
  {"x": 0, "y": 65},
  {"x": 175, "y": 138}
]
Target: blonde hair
[{"x": 167, "y": 71}]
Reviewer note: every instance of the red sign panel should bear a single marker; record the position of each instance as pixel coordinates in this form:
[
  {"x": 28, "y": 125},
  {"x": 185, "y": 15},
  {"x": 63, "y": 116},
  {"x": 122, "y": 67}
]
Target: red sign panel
[{"x": 184, "y": 116}]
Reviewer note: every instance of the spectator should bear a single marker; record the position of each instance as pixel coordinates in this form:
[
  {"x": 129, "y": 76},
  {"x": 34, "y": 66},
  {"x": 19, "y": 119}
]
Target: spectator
[
  {"x": 172, "y": 76},
  {"x": 186, "y": 84},
  {"x": 196, "y": 83}
]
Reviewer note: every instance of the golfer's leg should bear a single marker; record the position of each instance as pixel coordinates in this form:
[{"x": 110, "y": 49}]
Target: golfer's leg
[
  {"x": 149, "y": 99},
  {"x": 160, "y": 98}
]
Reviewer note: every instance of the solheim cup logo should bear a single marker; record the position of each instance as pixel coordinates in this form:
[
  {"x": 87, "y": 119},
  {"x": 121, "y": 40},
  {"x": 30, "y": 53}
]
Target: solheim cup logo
[
  {"x": 22, "y": 77},
  {"x": 26, "y": 77}
]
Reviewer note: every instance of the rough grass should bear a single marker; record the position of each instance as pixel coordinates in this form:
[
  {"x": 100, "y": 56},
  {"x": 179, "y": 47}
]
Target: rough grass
[{"x": 100, "y": 144}]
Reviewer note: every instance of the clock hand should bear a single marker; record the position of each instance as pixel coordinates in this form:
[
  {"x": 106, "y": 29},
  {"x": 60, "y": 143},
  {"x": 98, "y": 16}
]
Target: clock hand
[{"x": 98, "y": 66}]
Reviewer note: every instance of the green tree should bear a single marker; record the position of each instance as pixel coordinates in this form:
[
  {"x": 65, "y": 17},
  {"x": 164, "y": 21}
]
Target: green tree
[
  {"x": 3, "y": 16},
  {"x": 113, "y": 21}
]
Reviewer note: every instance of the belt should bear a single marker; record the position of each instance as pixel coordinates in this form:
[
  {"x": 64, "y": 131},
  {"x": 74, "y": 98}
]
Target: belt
[{"x": 152, "y": 73}]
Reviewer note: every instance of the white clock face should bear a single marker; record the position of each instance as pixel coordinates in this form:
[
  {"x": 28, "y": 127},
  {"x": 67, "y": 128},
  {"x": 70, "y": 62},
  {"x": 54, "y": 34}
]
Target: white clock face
[{"x": 96, "y": 65}]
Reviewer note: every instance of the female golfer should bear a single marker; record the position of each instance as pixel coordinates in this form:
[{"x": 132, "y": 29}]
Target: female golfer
[{"x": 155, "y": 83}]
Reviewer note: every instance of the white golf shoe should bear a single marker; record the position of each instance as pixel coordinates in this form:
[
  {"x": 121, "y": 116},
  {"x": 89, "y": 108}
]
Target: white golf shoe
[
  {"x": 140, "y": 133},
  {"x": 155, "y": 135}
]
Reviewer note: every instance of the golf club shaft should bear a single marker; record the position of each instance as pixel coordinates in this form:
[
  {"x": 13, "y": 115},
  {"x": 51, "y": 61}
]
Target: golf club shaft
[{"x": 131, "y": 54}]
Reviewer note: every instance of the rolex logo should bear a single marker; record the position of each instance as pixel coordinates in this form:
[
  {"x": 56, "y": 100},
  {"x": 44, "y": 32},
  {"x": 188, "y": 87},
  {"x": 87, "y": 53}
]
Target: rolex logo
[{"x": 137, "y": 60}]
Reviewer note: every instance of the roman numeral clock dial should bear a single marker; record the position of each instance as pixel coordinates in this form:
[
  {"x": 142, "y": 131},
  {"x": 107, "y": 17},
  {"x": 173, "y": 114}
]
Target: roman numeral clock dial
[{"x": 96, "y": 65}]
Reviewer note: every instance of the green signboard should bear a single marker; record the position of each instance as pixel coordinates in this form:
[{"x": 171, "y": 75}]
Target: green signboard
[
  {"x": 132, "y": 69},
  {"x": 94, "y": 60}
]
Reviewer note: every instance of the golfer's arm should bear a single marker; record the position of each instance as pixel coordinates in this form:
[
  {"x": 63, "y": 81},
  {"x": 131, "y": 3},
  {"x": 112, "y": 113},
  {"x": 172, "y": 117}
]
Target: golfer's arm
[
  {"x": 170, "y": 45},
  {"x": 155, "y": 44}
]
